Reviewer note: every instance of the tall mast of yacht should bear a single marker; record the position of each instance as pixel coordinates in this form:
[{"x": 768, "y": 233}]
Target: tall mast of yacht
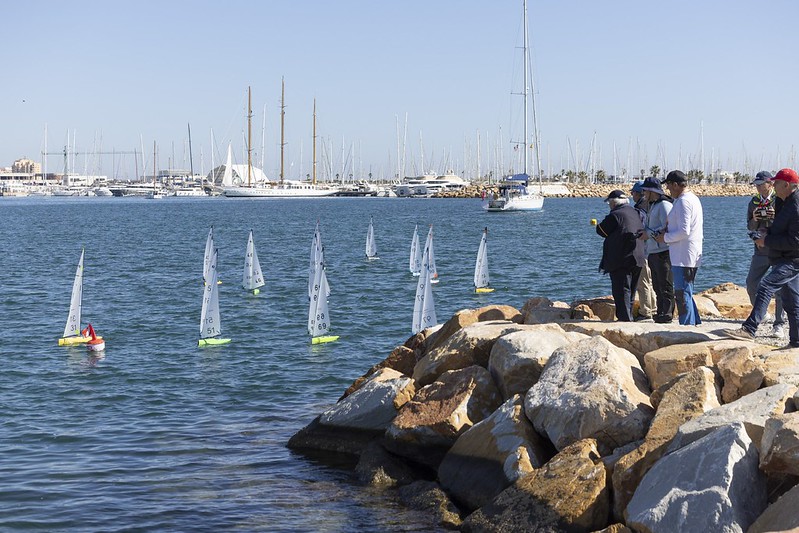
[
  {"x": 249, "y": 136},
  {"x": 536, "y": 133},
  {"x": 314, "y": 142},
  {"x": 191, "y": 159},
  {"x": 524, "y": 93},
  {"x": 282, "y": 124},
  {"x": 154, "y": 171}
]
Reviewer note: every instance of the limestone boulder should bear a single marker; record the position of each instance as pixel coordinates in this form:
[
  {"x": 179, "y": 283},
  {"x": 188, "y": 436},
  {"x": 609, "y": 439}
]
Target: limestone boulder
[
  {"x": 467, "y": 317},
  {"x": 706, "y": 307},
  {"x": 742, "y": 373},
  {"x": 468, "y": 346},
  {"x": 752, "y": 411},
  {"x": 374, "y": 405},
  {"x": 637, "y": 337},
  {"x": 691, "y": 395},
  {"x": 666, "y": 363},
  {"x": 402, "y": 359},
  {"x": 780, "y": 515},
  {"x": 781, "y": 366},
  {"x": 540, "y": 310},
  {"x": 517, "y": 359},
  {"x": 590, "y": 389},
  {"x": 428, "y": 497},
  {"x": 780, "y": 445},
  {"x": 594, "y": 309},
  {"x": 428, "y": 425},
  {"x": 713, "y": 484},
  {"x": 731, "y": 300},
  {"x": 719, "y": 349},
  {"x": 491, "y": 455},
  {"x": 569, "y": 493}
]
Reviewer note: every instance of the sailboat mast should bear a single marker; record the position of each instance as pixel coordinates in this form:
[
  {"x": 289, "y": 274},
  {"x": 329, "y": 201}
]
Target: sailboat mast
[
  {"x": 282, "y": 124},
  {"x": 314, "y": 141},
  {"x": 524, "y": 51},
  {"x": 191, "y": 159},
  {"x": 154, "y": 171},
  {"x": 249, "y": 137}
]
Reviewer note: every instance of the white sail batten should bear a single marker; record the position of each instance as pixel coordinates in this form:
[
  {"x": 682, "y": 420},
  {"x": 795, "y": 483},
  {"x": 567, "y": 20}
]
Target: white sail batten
[
  {"x": 253, "y": 277},
  {"x": 210, "y": 325},
  {"x": 72, "y": 327},
  {"x": 415, "y": 261},
  {"x": 371, "y": 246},
  {"x": 481, "y": 278}
]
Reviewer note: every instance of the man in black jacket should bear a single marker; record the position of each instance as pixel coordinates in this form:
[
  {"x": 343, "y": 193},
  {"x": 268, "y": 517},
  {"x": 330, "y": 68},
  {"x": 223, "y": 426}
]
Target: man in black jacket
[
  {"x": 622, "y": 252},
  {"x": 782, "y": 240}
]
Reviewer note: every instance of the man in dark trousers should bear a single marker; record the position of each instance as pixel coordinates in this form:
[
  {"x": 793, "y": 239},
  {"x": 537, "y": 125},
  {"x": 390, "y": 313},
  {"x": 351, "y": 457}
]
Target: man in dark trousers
[{"x": 622, "y": 252}]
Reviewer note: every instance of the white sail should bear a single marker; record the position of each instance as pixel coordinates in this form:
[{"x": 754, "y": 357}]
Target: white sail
[
  {"x": 481, "y": 266},
  {"x": 318, "y": 317},
  {"x": 428, "y": 246},
  {"x": 371, "y": 247},
  {"x": 209, "y": 252},
  {"x": 415, "y": 262},
  {"x": 424, "y": 311},
  {"x": 73, "y": 319},
  {"x": 210, "y": 326},
  {"x": 227, "y": 177},
  {"x": 317, "y": 259},
  {"x": 253, "y": 277}
]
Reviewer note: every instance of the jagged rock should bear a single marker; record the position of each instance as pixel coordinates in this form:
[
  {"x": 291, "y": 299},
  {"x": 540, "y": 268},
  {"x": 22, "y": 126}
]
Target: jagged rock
[
  {"x": 374, "y": 405},
  {"x": 427, "y": 496},
  {"x": 712, "y": 484},
  {"x": 517, "y": 359},
  {"x": 780, "y": 515},
  {"x": 402, "y": 359},
  {"x": 416, "y": 342},
  {"x": 664, "y": 364},
  {"x": 719, "y": 349},
  {"x": 615, "y": 528},
  {"x": 469, "y": 346},
  {"x": 491, "y": 455},
  {"x": 540, "y": 310},
  {"x": 691, "y": 395},
  {"x": 780, "y": 445},
  {"x": 569, "y": 493},
  {"x": 742, "y": 374},
  {"x": 731, "y": 300},
  {"x": 379, "y": 468},
  {"x": 467, "y": 317},
  {"x": 639, "y": 338},
  {"x": 427, "y": 426},
  {"x": 590, "y": 389},
  {"x": 781, "y": 366},
  {"x": 706, "y": 307},
  {"x": 752, "y": 410},
  {"x": 594, "y": 309},
  {"x": 317, "y": 437}
]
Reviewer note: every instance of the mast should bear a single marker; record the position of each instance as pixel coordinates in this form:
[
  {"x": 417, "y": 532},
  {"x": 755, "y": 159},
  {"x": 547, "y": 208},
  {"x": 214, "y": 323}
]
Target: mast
[
  {"x": 536, "y": 133},
  {"x": 191, "y": 159},
  {"x": 314, "y": 142},
  {"x": 249, "y": 137},
  {"x": 154, "y": 171},
  {"x": 524, "y": 53},
  {"x": 282, "y": 124}
]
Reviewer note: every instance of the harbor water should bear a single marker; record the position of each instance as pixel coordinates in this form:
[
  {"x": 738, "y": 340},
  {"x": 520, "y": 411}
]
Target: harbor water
[{"x": 159, "y": 435}]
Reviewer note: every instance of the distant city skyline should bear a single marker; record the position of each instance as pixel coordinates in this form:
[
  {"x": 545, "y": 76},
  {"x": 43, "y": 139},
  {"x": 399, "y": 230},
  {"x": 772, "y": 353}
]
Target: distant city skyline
[{"x": 620, "y": 85}]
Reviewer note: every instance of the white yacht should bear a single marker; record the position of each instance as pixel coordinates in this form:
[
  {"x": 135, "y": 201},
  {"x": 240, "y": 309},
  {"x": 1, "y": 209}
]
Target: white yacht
[{"x": 287, "y": 189}]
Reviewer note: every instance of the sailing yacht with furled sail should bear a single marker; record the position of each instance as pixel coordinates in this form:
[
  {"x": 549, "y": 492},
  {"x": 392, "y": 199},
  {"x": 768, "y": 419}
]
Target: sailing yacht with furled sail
[
  {"x": 514, "y": 193},
  {"x": 371, "y": 247},
  {"x": 424, "y": 308},
  {"x": 253, "y": 277},
  {"x": 210, "y": 323},
  {"x": 481, "y": 280},
  {"x": 415, "y": 261}
]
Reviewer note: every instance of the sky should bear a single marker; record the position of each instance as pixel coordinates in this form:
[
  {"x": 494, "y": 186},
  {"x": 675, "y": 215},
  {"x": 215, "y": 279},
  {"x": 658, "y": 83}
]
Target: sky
[{"x": 400, "y": 87}]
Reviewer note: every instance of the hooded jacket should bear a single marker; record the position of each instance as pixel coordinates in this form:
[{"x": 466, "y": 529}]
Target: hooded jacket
[
  {"x": 782, "y": 239},
  {"x": 622, "y": 248}
]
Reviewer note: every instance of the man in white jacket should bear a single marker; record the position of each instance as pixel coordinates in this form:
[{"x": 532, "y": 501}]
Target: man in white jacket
[{"x": 684, "y": 236}]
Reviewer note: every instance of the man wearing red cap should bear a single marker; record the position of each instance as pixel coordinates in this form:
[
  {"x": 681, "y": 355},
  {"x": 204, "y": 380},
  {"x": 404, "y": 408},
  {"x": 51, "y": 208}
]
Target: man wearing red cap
[{"x": 782, "y": 240}]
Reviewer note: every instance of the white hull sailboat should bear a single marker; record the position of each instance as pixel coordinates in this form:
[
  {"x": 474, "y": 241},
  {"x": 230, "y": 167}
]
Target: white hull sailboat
[
  {"x": 424, "y": 308},
  {"x": 514, "y": 194},
  {"x": 371, "y": 247},
  {"x": 415, "y": 260},
  {"x": 431, "y": 257},
  {"x": 210, "y": 323},
  {"x": 72, "y": 332},
  {"x": 318, "y": 291},
  {"x": 481, "y": 279},
  {"x": 253, "y": 278}
]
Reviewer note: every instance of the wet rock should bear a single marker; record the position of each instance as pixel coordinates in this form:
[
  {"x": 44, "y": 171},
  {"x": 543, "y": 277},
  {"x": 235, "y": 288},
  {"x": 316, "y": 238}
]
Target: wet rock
[
  {"x": 379, "y": 468},
  {"x": 427, "y": 496}
]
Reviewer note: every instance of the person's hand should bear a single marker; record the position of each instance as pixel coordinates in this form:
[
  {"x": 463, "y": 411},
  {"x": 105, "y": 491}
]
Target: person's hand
[
  {"x": 661, "y": 238},
  {"x": 644, "y": 236},
  {"x": 761, "y": 242}
]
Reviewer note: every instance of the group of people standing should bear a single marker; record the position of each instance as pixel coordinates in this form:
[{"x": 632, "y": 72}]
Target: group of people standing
[{"x": 654, "y": 248}]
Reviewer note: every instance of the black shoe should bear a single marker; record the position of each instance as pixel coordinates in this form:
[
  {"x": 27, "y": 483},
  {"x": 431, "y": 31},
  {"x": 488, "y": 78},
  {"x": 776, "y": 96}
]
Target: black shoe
[
  {"x": 663, "y": 319},
  {"x": 643, "y": 317}
]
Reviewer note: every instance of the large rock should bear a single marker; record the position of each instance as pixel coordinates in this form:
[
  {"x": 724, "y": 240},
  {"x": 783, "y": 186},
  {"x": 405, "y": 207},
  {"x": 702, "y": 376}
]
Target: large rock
[
  {"x": 712, "y": 484},
  {"x": 590, "y": 389},
  {"x": 402, "y": 359},
  {"x": 664, "y": 364},
  {"x": 540, "y": 310},
  {"x": 569, "y": 493},
  {"x": 731, "y": 300},
  {"x": 427, "y": 496},
  {"x": 469, "y": 346},
  {"x": 691, "y": 395},
  {"x": 637, "y": 337},
  {"x": 752, "y": 410},
  {"x": 374, "y": 405},
  {"x": 706, "y": 307},
  {"x": 378, "y": 468},
  {"x": 594, "y": 309},
  {"x": 467, "y": 317},
  {"x": 781, "y": 366},
  {"x": 517, "y": 359},
  {"x": 781, "y": 515},
  {"x": 780, "y": 445},
  {"x": 491, "y": 455},
  {"x": 427, "y": 426},
  {"x": 316, "y": 437},
  {"x": 742, "y": 373}
]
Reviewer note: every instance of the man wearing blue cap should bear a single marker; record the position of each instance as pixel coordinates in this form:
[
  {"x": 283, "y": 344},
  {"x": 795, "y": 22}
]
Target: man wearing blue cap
[
  {"x": 657, "y": 253},
  {"x": 646, "y": 294}
]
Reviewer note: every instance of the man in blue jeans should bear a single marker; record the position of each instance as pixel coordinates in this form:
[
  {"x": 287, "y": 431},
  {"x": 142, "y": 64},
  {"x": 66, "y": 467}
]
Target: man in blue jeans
[{"x": 782, "y": 240}]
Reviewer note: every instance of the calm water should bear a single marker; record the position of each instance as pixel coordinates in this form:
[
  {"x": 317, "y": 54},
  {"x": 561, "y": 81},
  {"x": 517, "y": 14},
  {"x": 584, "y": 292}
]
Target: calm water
[{"x": 160, "y": 435}]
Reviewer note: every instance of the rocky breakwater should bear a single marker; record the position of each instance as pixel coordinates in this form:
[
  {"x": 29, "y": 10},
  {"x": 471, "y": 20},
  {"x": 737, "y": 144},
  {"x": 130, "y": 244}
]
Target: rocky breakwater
[
  {"x": 572, "y": 190},
  {"x": 551, "y": 419}
]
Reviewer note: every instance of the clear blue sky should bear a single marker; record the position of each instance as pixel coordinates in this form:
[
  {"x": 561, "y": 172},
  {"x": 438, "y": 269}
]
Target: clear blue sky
[{"x": 642, "y": 75}]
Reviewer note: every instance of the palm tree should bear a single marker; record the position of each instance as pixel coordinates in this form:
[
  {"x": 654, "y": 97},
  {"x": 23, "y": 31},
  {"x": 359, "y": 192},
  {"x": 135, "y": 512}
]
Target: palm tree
[{"x": 655, "y": 171}]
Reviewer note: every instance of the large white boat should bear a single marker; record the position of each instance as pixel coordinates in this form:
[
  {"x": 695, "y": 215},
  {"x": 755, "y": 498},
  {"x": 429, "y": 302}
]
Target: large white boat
[
  {"x": 287, "y": 189},
  {"x": 428, "y": 185},
  {"x": 514, "y": 195}
]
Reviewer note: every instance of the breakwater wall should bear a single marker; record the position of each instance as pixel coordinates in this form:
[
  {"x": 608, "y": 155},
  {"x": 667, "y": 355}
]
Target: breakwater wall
[
  {"x": 553, "y": 417},
  {"x": 598, "y": 191}
]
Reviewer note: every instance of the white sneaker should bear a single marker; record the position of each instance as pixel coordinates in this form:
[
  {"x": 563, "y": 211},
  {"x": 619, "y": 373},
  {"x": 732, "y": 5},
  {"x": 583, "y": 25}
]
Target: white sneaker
[{"x": 778, "y": 331}]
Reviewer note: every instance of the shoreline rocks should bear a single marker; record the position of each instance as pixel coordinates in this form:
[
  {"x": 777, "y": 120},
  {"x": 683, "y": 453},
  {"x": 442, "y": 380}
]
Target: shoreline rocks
[
  {"x": 549, "y": 418},
  {"x": 598, "y": 190}
]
